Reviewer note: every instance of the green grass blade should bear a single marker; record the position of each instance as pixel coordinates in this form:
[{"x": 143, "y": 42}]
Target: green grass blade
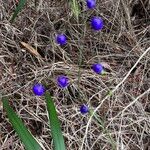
[
  {"x": 20, "y": 6},
  {"x": 54, "y": 124},
  {"x": 26, "y": 137},
  {"x": 75, "y": 8}
]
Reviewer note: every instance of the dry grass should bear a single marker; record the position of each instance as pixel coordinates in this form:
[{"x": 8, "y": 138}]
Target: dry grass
[{"x": 118, "y": 46}]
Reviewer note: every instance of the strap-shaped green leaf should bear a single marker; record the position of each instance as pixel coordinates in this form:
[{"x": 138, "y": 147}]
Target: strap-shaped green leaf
[
  {"x": 54, "y": 124},
  {"x": 26, "y": 137},
  {"x": 20, "y": 6}
]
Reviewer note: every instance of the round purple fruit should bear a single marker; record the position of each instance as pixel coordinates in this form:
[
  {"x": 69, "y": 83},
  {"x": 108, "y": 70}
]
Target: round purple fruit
[
  {"x": 84, "y": 109},
  {"x": 91, "y": 4},
  {"x": 61, "y": 39},
  {"x": 38, "y": 89},
  {"x": 97, "y": 68},
  {"x": 97, "y": 23},
  {"x": 62, "y": 81}
]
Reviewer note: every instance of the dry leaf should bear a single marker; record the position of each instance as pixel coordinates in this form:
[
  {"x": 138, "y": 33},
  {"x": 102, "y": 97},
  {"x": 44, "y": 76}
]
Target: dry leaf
[{"x": 31, "y": 49}]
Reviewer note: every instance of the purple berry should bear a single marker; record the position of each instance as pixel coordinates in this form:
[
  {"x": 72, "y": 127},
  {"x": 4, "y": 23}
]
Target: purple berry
[
  {"x": 38, "y": 89},
  {"x": 62, "y": 81},
  {"x": 97, "y": 23},
  {"x": 91, "y": 4},
  {"x": 84, "y": 109},
  {"x": 97, "y": 68},
  {"x": 61, "y": 39}
]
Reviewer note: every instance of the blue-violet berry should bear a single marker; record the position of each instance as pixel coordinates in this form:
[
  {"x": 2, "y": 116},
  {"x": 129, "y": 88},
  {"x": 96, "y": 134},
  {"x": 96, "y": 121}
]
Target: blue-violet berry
[
  {"x": 61, "y": 39},
  {"x": 97, "y": 68},
  {"x": 84, "y": 109},
  {"x": 97, "y": 23},
  {"x": 91, "y": 3},
  {"x": 62, "y": 81},
  {"x": 38, "y": 89}
]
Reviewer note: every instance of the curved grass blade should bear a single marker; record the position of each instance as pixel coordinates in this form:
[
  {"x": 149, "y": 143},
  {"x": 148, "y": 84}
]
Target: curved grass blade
[
  {"x": 20, "y": 6},
  {"x": 26, "y": 137},
  {"x": 54, "y": 124}
]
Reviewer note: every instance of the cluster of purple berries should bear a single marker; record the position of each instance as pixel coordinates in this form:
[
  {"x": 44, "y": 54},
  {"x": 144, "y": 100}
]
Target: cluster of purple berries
[
  {"x": 62, "y": 81},
  {"x": 39, "y": 90},
  {"x": 96, "y": 23}
]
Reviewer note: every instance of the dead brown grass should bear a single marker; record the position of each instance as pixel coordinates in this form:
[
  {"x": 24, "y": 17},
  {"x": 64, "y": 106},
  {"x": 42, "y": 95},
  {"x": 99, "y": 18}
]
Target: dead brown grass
[{"x": 118, "y": 46}]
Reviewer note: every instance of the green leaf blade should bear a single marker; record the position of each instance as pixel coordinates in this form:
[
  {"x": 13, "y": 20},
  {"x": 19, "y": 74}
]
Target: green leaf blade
[
  {"x": 20, "y": 6},
  {"x": 54, "y": 124},
  {"x": 26, "y": 137}
]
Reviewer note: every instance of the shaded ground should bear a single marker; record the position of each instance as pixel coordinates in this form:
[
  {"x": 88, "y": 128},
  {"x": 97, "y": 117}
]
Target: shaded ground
[{"x": 118, "y": 46}]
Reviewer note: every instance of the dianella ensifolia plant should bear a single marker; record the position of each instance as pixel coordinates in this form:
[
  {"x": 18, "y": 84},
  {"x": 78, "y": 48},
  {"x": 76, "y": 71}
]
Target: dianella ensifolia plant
[{"x": 29, "y": 141}]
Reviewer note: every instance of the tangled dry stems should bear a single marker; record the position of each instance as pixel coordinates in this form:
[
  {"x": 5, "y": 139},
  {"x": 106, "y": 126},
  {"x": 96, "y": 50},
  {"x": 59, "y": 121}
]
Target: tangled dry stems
[{"x": 122, "y": 42}]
